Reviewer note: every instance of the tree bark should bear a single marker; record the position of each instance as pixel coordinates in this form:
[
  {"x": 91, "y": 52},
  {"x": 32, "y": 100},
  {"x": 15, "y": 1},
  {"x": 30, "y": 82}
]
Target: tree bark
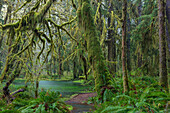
[
  {"x": 128, "y": 46},
  {"x": 84, "y": 65},
  {"x": 74, "y": 69},
  {"x": 168, "y": 23},
  {"x": 111, "y": 43},
  {"x": 139, "y": 21},
  {"x": 36, "y": 86},
  {"x": 47, "y": 67},
  {"x": 168, "y": 32},
  {"x": 124, "y": 68},
  {"x": 85, "y": 69},
  {"x": 162, "y": 46},
  {"x": 54, "y": 65},
  {"x": 6, "y": 87},
  {"x": 60, "y": 63}
]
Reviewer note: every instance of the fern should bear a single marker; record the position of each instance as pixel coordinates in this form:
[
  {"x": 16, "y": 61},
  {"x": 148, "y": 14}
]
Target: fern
[
  {"x": 48, "y": 101},
  {"x": 111, "y": 109},
  {"x": 149, "y": 98},
  {"x": 108, "y": 95}
]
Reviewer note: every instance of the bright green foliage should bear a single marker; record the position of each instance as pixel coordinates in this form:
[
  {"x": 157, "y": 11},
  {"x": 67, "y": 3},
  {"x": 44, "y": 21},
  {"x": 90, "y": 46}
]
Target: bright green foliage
[
  {"x": 143, "y": 97},
  {"x": 144, "y": 37},
  {"x": 48, "y": 101}
]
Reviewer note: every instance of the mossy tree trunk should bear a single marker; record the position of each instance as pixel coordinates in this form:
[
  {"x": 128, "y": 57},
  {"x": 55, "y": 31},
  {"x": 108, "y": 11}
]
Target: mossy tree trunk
[
  {"x": 84, "y": 67},
  {"x": 84, "y": 63},
  {"x": 124, "y": 67},
  {"x": 6, "y": 91},
  {"x": 111, "y": 42},
  {"x": 168, "y": 22},
  {"x": 139, "y": 55},
  {"x": 168, "y": 31},
  {"x": 162, "y": 45},
  {"x": 60, "y": 63},
  {"x": 128, "y": 45},
  {"x": 99, "y": 19},
  {"x": 36, "y": 87},
  {"x": 54, "y": 65},
  {"x": 74, "y": 69},
  {"x": 47, "y": 67},
  {"x": 128, "y": 40},
  {"x": 12, "y": 67},
  {"x": 95, "y": 57}
]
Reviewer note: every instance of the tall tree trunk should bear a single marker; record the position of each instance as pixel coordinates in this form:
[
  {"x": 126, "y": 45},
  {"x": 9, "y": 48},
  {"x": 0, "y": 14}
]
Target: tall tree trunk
[
  {"x": 74, "y": 69},
  {"x": 36, "y": 86},
  {"x": 60, "y": 63},
  {"x": 85, "y": 68},
  {"x": 84, "y": 65},
  {"x": 168, "y": 32},
  {"x": 95, "y": 57},
  {"x": 11, "y": 68},
  {"x": 111, "y": 43},
  {"x": 50, "y": 66},
  {"x": 162, "y": 46},
  {"x": 139, "y": 21},
  {"x": 47, "y": 64},
  {"x": 6, "y": 91},
  {"x": 168, "y": 24},
  {"x": 47, "y": 67},
  {"x": 128, "y": 42},
  {"x": 128, "y": 46},
  {"x": 124, "y": 69},
  {"x": 54, "y": 65}
]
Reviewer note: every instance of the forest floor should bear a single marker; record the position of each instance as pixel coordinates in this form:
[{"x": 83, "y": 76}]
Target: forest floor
[{"x": 79, "y": 103}]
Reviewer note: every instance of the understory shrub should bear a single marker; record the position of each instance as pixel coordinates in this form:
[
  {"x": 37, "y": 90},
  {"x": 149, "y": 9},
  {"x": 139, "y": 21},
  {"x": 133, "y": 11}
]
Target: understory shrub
[
  {"x": 47, "y": 102},
  {"x": 145, "y": 96}
]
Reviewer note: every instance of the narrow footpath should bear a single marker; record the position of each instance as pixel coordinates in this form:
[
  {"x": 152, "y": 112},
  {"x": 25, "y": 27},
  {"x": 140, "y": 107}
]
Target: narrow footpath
[{"x": 79, "y": 103}]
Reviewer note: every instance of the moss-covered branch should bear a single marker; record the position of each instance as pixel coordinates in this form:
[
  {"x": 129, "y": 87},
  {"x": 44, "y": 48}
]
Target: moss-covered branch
[
  {"x": 30, "y": 20},
  {"x": 61, "y": 26},
  {"x": 43, "y": 11},
  {"x": 74, "y": 5},
  {"x": 64, "y": 24},
  {"x": 25, "y": 3},
  {"x": 69, "y": 35}
]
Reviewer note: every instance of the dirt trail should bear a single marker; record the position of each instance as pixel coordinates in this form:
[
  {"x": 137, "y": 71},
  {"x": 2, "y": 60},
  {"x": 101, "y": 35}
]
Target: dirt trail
[{"x": 79, "y": 103}]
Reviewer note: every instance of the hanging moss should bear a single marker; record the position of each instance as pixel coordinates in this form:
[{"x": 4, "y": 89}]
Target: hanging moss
[
  {"x": 86, "y": 23},
  {"x": 26, "y": 23}
]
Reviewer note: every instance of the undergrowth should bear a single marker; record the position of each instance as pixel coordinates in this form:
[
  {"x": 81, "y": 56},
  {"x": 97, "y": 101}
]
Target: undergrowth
[
  {"x": 145, "y": 96},
  {"x": 47, "y": 102}
]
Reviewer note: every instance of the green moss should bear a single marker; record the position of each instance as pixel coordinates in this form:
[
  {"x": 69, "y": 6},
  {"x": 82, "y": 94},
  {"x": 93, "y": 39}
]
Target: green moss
[{"x": 86, "y": 22}]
